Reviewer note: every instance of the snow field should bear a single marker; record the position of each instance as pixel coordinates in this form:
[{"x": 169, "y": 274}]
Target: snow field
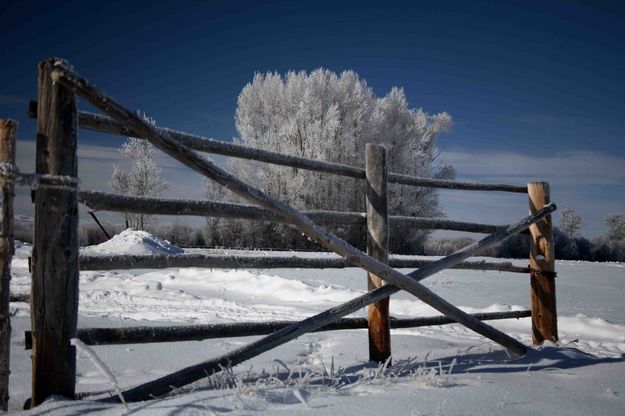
[{"x": 328, "y": 371}]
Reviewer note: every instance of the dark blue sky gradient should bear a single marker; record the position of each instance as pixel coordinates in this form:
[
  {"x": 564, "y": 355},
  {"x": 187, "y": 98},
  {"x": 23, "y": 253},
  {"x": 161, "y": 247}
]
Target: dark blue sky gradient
[{"x": 517, "y": 77}]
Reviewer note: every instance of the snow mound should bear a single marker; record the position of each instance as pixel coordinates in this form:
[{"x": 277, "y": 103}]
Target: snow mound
[{"x": 133, "y": 242}]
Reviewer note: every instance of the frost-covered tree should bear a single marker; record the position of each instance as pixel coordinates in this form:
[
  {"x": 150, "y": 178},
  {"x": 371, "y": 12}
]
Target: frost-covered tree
[
  {"x": 143, "y": 179},
  {"x": 616, "y": 226},
  {"x": 325, "y": 116},
  {"x": 570, "y": 222}
]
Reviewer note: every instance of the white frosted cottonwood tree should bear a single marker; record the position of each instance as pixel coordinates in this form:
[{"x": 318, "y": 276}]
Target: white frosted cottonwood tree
[
  {"x": 328, "y": 116},
  {"x": 143, "y": 179}
]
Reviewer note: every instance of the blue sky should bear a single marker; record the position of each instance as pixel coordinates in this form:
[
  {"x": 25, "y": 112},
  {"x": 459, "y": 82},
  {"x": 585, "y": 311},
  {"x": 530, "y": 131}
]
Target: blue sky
[{"x": 536, "y": 89}]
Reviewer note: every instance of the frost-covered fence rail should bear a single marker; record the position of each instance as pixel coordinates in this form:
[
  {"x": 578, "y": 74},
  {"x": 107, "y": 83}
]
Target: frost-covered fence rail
[
  {"x": 235, "y": 261},
  {"x": 152, "y": 334},
  {"x": 163, "y": 206},
  {"x": 56, "y": 261},
  {"x": 103, "y": 124}
]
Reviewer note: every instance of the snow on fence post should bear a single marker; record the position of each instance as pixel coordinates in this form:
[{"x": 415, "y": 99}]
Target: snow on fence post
[
  {"x": 542, "y": 269},
  {"x": 54, "y": 297},
  {"x": 7, "y": 155},
  {"x": 377, "y": 247}
]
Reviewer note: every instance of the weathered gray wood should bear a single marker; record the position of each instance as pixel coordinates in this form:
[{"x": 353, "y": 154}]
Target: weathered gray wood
[
  {"x": 244, "y": 261},
  {"x": 166, "y": 143},
  {"x": 542, "y": 267},
  {"x": 7, "y": 155},
  {"x": 398, "y": 262},
  {"x": 399, "y": 178},
  {"x": 102, "y": 201},
  {"x": 54, "y": 302},
  {"x": 377, "y": 247},
  {"x": 104, "y": 124},
  {"x": 113, "y": 262},
  {"x": 443, "y": 224},
  {"x": 36, "y": 181},
  {"x": 203, "y": 208},
  {"x": 150, "y": 334}
]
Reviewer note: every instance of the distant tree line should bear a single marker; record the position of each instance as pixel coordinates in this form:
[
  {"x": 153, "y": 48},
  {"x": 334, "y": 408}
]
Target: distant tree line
[{"x": 568, "y": 244}]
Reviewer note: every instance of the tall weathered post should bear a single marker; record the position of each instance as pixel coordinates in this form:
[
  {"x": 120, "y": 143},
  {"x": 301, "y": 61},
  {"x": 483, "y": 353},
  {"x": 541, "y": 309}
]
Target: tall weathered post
[
  {"x": 54, "y": 298},
  {"x": 542, "y": 267},
  {"x": 377, "y": 247},
  {"x": 7, "y": 156}
]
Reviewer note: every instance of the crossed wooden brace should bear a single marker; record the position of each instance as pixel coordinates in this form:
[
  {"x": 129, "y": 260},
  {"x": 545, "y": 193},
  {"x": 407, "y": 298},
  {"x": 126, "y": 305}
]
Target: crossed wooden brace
[{"x": 163, "y": 141}]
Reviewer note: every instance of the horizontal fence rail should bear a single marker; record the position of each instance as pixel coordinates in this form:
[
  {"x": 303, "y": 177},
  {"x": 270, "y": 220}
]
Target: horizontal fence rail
[
  {"x": 165, "y": 206},
  {"x": 229, "y": 261},
  {"x": 104, "y": 124},
  {"x": 149, "y": 334}
]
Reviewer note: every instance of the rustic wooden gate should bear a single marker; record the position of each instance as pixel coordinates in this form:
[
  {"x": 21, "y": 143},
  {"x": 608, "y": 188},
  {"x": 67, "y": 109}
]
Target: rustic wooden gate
[{"x": 55, "y": 259}]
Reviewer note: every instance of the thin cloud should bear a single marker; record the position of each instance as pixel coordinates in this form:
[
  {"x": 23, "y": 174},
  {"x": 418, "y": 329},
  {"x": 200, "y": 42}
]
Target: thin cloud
[
  {"x": 583, "y": 180},
  {"x": 567, "y": 168}
]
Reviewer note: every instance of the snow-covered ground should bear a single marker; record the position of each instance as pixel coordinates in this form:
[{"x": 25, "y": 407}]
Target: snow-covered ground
[{"x": 444, "y": 370}]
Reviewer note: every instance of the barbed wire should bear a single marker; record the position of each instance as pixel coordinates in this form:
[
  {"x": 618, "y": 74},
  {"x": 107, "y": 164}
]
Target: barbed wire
[{"x": 10, "y": 174}]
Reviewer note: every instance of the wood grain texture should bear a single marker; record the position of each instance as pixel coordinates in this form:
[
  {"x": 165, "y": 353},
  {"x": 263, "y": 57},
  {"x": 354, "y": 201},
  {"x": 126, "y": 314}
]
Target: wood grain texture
[
  {"x": 54, "y": 294},
  {"x": 103, "y": 201},
  {"x": 542, "y": 266},
  {"x": 250, "y": 261},
  {"x": 7, "y": 155},
  {"x": 377, "y": 247},
  {"x": 151, "y": 334}
]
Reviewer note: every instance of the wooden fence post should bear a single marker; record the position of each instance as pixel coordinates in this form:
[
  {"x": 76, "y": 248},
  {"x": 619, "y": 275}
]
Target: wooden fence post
[
  {"x": 54, "y": 298},
  {"x": 7, "y": 155},
  {"x": 542, "y": 267},
  {"x": 377, "y": 247}
]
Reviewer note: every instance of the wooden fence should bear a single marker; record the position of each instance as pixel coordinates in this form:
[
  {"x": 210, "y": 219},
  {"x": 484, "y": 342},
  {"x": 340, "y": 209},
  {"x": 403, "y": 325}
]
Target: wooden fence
[{"x": 56, "y": 261}]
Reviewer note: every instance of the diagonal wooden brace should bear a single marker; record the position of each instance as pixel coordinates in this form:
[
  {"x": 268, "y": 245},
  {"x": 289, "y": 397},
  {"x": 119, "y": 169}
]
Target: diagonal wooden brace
[
  {"x": 164, "y": 142},
  {"x": 193, "y": 373}
]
